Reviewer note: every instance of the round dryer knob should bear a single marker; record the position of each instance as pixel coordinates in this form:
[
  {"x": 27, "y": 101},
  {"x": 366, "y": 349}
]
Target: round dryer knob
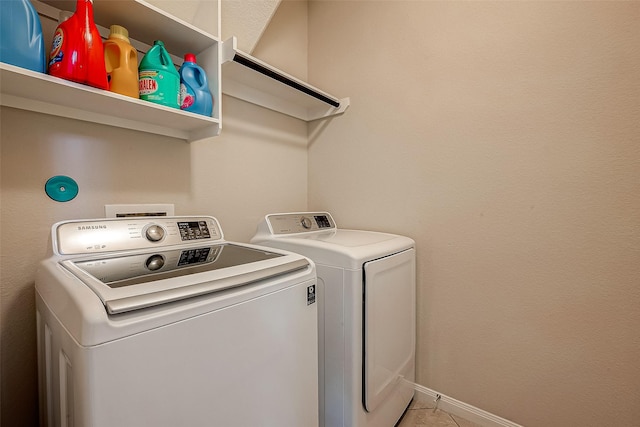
[
  {"x": 154, "y": 262},
  {"x": 154, "y": 233},
  {"x": 306, "y": 223}
]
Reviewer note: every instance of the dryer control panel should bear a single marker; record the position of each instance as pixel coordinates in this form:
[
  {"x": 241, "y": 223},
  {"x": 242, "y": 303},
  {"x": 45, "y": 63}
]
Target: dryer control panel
[
  {"x": 301, "y": 222},
  {"x": 121, "y": 234}
]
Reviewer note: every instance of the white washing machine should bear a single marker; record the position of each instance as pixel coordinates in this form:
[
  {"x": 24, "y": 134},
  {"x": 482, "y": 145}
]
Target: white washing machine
[
  {"x": 161, "y": 322},
  {"x": 366, "y": 315}
]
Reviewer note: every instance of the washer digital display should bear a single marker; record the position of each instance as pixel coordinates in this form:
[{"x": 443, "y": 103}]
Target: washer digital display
[{"x": 194, "y": 230}]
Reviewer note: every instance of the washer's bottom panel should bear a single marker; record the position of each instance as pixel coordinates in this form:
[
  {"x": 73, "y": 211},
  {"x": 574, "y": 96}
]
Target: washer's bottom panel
[{"x": 253, "y": 363}]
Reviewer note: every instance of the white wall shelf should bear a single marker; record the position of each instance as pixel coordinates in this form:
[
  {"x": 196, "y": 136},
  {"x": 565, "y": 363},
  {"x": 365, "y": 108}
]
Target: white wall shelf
[
  {"x": 33, "y": 91},
  {"x": 252, "y": 80},
  {"x": 28, "y": 90}
]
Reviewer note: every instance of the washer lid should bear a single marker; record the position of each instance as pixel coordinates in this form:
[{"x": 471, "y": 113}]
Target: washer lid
[{"x": 135, "y": 281}]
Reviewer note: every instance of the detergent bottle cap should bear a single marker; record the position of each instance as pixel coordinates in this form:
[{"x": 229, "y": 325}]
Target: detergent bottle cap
[
  {"x": 190, "y": 57},
  {"x": 119, "y": 32}
]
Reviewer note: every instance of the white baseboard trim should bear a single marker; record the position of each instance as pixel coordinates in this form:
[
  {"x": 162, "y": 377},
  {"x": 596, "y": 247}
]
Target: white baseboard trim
[{"x": 461, "y": 409}]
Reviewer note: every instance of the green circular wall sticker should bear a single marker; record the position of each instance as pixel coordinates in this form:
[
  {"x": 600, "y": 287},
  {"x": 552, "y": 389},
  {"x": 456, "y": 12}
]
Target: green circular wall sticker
[{"x": 61, "y": 188}]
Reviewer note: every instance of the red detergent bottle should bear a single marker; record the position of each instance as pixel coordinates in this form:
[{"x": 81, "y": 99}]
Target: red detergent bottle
[{"x": 77, "y": 53}]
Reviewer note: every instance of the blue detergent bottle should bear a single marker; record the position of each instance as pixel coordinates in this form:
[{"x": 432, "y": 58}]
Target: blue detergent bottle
[
  {"x": 21, "y": 42},
  {"x": 195, "y": 95}
]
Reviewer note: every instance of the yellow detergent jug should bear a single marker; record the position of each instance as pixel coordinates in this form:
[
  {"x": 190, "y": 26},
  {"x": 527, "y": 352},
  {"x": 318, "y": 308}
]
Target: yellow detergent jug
[{"x": 121, "y": 60}]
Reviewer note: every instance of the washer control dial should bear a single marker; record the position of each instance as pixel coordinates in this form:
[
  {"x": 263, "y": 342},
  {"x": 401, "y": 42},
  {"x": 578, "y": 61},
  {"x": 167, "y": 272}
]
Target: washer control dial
[
  {"x": 154, "y": 233},
  {"x": 154, "y": 262},
  {"x": 305, "y": 222}
]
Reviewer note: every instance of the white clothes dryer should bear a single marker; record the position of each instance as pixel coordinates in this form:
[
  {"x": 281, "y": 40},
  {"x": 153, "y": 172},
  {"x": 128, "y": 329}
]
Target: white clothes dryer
[
  {"x": 161, "y": 322},
  {"x": 366, "y": 315}
]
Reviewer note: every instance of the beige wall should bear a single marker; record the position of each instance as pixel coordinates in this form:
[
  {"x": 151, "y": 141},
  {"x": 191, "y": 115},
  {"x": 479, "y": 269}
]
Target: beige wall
[
  {"x": 504, "y": 137},
  {"x": 258, "y": 165}
]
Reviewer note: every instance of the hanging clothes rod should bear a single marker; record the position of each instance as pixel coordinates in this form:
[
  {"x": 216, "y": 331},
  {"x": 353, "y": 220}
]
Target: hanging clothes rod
[
  {"x": 248, "y": 62},
  {"x": 250, "y": 79}
]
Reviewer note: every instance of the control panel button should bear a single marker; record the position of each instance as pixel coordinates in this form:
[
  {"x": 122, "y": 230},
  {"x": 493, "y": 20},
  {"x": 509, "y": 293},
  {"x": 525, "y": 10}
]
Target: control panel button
[{"x": 154, "y": 233}]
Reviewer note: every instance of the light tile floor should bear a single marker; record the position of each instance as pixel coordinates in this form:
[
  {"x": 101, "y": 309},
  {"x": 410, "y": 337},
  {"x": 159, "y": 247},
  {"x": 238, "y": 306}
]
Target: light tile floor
[{"x": 426, "y": 414}]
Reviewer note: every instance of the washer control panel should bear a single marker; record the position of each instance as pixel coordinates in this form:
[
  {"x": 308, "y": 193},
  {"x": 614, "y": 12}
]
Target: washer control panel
[
  {"x": 300, "y": 222},
  {"x": 120, "y": 234}
]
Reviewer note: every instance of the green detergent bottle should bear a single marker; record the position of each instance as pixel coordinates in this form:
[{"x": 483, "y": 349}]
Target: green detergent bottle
[{"x": 159, "y": 80}]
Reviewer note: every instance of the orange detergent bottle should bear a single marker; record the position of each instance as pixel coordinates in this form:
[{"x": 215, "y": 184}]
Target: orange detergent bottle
[
  {"x": 77, "y": 53},
  {"x": 121, "y": 60}
]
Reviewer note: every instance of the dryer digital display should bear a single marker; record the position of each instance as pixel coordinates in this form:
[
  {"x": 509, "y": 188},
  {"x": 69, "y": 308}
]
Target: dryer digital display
[{"x": 322, "y": 221}]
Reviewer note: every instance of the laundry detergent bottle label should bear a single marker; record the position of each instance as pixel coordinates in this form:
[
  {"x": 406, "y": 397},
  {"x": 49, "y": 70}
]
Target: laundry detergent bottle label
[
  {"x": 159, "y": 81},
  {"x": 56, "y": 48}
]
